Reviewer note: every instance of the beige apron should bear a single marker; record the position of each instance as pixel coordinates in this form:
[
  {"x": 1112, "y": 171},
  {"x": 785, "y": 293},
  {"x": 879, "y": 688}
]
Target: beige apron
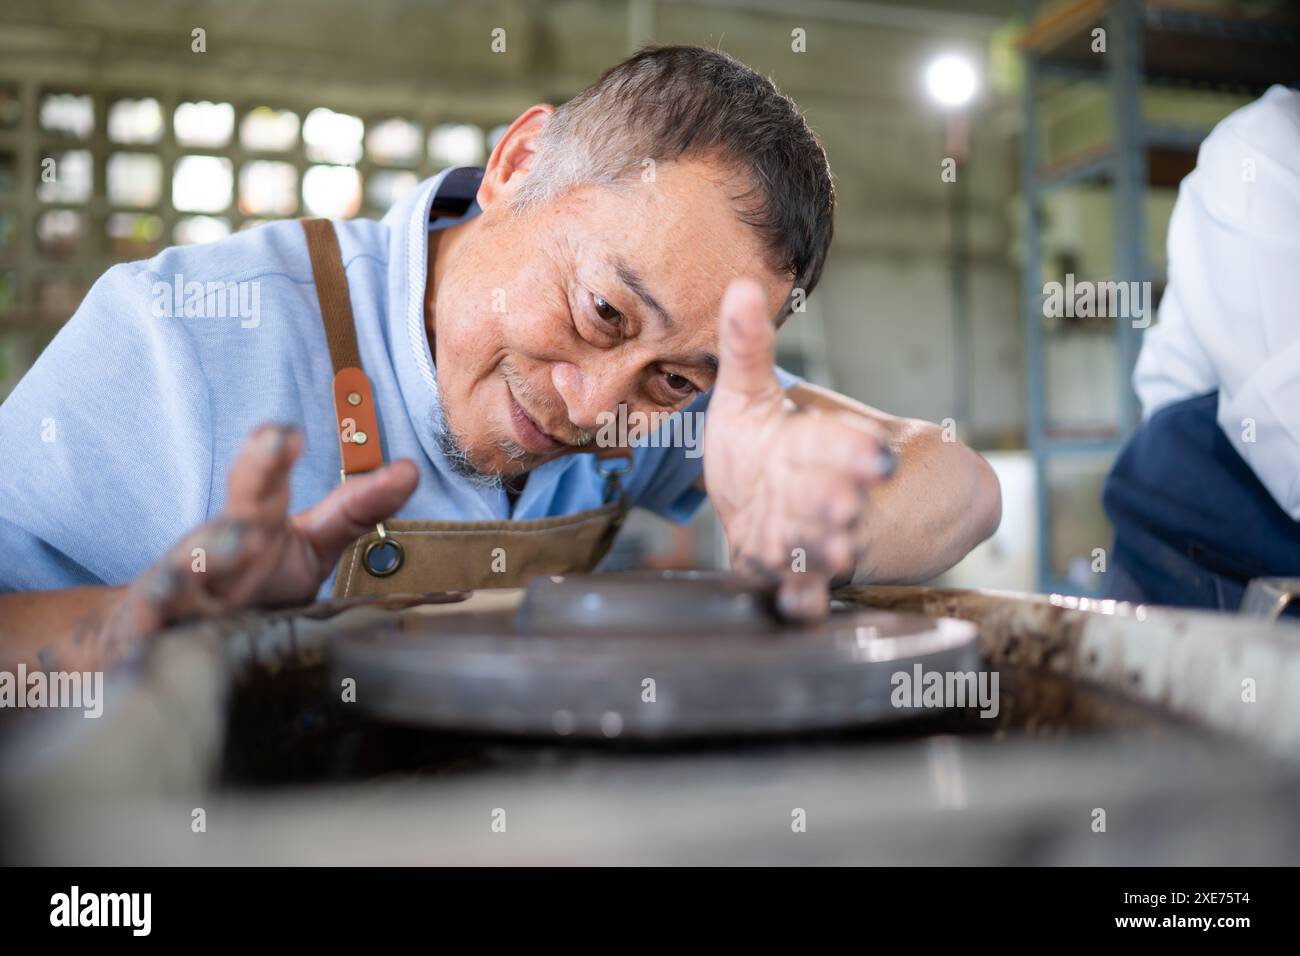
[{"x": 409, "y": 557}]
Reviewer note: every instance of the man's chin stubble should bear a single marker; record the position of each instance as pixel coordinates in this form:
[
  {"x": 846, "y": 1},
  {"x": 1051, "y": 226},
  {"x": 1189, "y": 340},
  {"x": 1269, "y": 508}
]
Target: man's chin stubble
[{"x": 456, "y": 452}]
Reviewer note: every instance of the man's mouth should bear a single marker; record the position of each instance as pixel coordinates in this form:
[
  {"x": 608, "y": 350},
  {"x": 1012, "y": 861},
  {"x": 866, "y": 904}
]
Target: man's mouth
[{"x": 531, "y": 435}]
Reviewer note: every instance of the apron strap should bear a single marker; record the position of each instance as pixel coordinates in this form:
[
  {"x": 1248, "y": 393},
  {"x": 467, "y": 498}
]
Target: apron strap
[
  {"x": 354, "y": 404},
  {"x": 613, "y": 473}
]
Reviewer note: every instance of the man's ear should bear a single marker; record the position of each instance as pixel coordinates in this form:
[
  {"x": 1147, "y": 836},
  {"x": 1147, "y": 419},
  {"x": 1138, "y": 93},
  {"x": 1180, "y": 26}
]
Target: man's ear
[{"x": 513, "y": 156}]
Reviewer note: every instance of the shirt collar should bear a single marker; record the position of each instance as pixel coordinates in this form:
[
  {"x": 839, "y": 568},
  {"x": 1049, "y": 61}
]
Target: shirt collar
[
  {"x": 409, "y": 225},
  {"x": 408, "y": 261}
]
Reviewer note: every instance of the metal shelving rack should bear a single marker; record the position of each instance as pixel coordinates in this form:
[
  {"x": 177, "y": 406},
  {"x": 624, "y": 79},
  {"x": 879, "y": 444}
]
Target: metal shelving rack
[{"x": 1145, "y": 41}]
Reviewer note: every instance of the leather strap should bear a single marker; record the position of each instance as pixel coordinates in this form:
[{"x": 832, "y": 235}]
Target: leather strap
[
  {"x": 354, "y": 404},
  {"x": 332, "y": 291}
]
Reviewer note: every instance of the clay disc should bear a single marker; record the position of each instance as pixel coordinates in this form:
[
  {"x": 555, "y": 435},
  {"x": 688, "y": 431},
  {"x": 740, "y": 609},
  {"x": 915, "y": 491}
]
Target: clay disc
[{"x": 641, "y": 656}]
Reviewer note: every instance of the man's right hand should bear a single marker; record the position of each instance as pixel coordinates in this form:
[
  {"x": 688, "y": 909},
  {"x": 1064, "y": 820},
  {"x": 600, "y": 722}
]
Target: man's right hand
[{"x": 255, "y": 554}]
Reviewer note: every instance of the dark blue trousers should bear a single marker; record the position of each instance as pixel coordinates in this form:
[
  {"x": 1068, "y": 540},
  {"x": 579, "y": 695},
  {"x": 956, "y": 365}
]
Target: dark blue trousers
[{"x": 1192, "y": 523}]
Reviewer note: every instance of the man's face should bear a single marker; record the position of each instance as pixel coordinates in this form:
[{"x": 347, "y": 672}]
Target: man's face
[{"x": 607, "y": 295}]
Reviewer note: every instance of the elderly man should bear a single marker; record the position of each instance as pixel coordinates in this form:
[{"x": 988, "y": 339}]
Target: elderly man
[{"x": 454, "y": 364}]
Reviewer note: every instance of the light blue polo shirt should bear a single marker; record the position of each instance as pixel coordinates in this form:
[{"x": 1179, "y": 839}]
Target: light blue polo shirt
[{"x": 118, "y": 441}]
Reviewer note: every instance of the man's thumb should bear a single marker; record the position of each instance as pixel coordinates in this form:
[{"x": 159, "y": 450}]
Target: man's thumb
[
  {"x": 748, "y": 340},
  {"x": 352, "y": 509}
]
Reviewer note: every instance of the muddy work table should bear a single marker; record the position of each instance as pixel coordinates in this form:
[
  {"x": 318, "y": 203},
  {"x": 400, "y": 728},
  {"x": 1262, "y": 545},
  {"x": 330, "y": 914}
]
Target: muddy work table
[{"x": 565, "y": 724}]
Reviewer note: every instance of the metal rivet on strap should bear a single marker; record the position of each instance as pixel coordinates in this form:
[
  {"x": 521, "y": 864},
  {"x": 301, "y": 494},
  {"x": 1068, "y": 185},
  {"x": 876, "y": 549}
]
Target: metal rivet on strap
[
  {"x": 360, "y": 438},
  {"x": 354, "y": 398}
]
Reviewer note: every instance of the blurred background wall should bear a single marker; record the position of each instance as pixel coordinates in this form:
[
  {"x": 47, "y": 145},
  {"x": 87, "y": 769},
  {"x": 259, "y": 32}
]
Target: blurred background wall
[{"x": 326, "y": 107}]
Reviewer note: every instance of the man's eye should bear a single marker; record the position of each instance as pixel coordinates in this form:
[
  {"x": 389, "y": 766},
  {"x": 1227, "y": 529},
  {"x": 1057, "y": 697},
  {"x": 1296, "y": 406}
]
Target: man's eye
[
  {"x": 607, "y": 311},
  {"x": 678, "y": 383}
]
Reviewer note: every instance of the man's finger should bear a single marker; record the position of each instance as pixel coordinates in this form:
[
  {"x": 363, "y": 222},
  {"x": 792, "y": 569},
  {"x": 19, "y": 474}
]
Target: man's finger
[
  {"x": 885, "y": 462},
  {"x": 353, "y": 508},
  {"x": 747, "y": 342},
  {"x": 259, "y": 477},
  {"x": 804, "y": 597}
]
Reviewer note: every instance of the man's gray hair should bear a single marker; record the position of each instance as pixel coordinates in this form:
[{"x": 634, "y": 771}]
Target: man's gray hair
[{"x": 669, "y": 103}]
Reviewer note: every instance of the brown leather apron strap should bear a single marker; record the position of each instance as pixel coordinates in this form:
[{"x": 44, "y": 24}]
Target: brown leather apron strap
[
  {"x": 332, "y": 291},
  {"x": 354, "y": 404}
]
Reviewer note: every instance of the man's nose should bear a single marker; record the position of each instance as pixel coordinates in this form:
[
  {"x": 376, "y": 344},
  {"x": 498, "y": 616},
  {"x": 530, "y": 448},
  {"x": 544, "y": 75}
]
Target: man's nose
[{"x": 588, "y": 390}]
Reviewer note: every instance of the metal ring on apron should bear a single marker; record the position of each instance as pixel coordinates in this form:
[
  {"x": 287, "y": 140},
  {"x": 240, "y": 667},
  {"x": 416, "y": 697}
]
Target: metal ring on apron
[
  {"x": 383, "y": 557},
  {"x": 612, "y": 475}
]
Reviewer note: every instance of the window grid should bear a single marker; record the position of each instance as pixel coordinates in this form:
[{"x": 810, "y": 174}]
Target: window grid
[{"x": 48, "y": 285}]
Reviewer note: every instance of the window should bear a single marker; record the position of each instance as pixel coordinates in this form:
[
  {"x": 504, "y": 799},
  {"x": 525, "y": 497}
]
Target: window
[
  {"x": 134, "y": 235},
  {"x": 268, "y": 188},
  {"x": 135, "y": 121},
  {"x": 204, "y": 124},
  {"x": 269, "y": 131},
  {"x": 202, "y": 184},
  {"x": 134, "y": 179},
  {"x": 59, "y": 232},
  {"x": 456, "y": 144},
  {"x": 67, "y": 115},
  {"x": 385, "y": 186},
  {"x": 332, "y": 191},
  {"x": 394, "y": 142},
  {"x": 332, "y": 137},
  {"x": 65, "y": 177}
]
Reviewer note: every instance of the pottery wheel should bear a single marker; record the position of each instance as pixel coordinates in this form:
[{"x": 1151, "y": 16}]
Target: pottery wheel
[{"x": 641, "y": 655}]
